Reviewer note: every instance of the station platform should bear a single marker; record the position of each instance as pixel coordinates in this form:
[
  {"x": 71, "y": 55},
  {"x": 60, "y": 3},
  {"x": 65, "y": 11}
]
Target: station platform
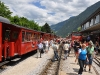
[
  {"x": 34, "y": 66},
  {"x": 70, "y": 67}
]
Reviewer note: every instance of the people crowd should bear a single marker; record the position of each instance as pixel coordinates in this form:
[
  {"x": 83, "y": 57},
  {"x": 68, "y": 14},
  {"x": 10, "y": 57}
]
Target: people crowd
[{"x": 84, "y": 51}]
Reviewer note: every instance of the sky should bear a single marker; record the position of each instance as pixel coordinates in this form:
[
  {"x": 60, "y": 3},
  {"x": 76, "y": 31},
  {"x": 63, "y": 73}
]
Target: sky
[{"x": 47, "y": 11}]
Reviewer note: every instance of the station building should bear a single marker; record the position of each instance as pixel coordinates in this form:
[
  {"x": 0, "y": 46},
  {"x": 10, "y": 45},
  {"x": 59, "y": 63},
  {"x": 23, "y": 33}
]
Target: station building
[{"x": 91, "y": 26}]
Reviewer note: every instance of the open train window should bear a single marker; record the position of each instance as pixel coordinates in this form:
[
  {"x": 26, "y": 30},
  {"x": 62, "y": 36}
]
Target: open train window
[
  {"x": 35, "y": 36},
  {"x": 32, "y": 36},
  {"x": 14, "y": 35},
  {"x": 28, "y": 36},
  {"x": 76, "y": 34},
  {"x": 7, "y": 34},
  {"x": 23, "y": 36}
]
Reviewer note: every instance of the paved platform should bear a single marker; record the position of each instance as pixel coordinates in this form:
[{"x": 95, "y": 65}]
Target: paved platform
[
  {"x": 30, "y": 66},
  {"x": 70, "y": 67},
  {"x": 34, "y": 65}
]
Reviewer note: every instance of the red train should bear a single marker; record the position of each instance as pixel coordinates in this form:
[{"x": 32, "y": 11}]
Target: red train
[
  {"x": 75, "y": 36},
  {"x": 17, "y": 40}
]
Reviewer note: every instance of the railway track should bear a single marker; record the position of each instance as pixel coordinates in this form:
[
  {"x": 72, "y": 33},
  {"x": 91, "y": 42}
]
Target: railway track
[
  {"x": 52, "y": 68},
  {"x": 96, "y": 60}
]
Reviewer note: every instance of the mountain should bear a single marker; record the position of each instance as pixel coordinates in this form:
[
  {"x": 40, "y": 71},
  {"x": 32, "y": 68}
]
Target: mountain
[
  {"x": 57, "y": 26},
  {"x": 65, "y": 27}
]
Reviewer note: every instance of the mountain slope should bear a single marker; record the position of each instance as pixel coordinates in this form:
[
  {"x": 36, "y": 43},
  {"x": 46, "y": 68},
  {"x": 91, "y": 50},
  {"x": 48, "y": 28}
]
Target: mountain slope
[
  {"x": 67, "y": 26},
  {"x": 57, "y": 26}
]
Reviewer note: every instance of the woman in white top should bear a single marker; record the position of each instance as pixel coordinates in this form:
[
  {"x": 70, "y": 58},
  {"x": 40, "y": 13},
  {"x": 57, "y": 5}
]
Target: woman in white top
[{"x": 66, "y": 48}]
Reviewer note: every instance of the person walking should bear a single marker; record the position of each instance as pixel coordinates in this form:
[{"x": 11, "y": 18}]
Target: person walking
[
  {"x": 69, "y": 51},
  {"x": 66, "y": 49},
  {"x": 55, "y": 49},
  {"x": 47, "y": 46},
  {"x": 44, "y": 46},
  {"x": 90, "y": 55},
  {"x": 40, "y": 47},
  {"x": 96, "y": 48},
  {"x": 79, "y": 47},
  {"x": 81, "y": 58}
]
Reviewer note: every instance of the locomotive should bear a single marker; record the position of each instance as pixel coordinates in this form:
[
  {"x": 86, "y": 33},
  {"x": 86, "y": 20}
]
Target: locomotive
[
  {"x": 75, "y": 36},
  {"x": 18, "y": 40}
]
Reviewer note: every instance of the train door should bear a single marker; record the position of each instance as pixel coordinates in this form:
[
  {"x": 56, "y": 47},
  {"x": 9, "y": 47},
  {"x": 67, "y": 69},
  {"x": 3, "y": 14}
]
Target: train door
[
  {"x": 15, "y": 39},
  {"x": 5, "y": 41}
]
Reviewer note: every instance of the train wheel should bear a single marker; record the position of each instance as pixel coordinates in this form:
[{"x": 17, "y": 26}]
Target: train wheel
[{"x": 3, "y": 59}]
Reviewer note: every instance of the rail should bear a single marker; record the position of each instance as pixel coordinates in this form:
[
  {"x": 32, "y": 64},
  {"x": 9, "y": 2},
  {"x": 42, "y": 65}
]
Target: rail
[
  {"x": 96, "y": 60},
  {"x": 57, "y": 71},
  {"x": 52, "y": 68}
]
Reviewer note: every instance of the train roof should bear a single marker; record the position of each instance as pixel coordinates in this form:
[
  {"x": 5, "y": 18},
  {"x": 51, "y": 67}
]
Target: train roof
[
  {"x": 5, "y": 20},
  {"x": 28, "y": 28}
]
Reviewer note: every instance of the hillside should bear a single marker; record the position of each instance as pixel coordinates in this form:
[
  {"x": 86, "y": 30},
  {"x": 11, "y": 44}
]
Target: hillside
[{"x": 71, "y": 24}]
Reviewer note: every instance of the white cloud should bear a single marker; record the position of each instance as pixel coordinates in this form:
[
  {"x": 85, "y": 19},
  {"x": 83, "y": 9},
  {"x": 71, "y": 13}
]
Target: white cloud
[{"x": 55, "y": 10}]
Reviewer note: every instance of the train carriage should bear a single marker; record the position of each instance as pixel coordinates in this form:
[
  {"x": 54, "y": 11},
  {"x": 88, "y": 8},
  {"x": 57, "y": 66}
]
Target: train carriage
[
  {"x": 76, "y": 36},
  {"x": 17, "y": 40}
]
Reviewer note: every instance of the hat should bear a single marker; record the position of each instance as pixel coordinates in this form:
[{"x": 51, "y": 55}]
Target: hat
[{"x": 90, "y": 42}]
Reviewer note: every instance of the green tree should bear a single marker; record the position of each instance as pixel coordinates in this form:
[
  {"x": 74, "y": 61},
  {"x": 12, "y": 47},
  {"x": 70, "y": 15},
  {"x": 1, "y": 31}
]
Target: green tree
[
  {"x": 22, "y": 21},
  {"x": 79, "y": 28},
  {"x": 4, "y": 10},
  {"x": 46, "y": 28},
  {"x": 15, "y": 20}
]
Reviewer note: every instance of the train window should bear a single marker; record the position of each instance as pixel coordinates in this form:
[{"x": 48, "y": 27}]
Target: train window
[
  {"x": 97, "y": 19},
  {"x": 32, "y": 37},
  {"x": 23, "y": 36},
  {"x": 39, "y": 36},
  {"x": 77, "y": 34},
  {"x": 14, "y": 35},
  {"x": 7, "y": 34},
  {"x": 28, "y": 36},
  {"x": 36, "y": 36}
]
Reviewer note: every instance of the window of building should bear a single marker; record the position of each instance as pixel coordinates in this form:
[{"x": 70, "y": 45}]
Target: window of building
[
  {"x": 84, "y": 26},
  {"x": 87, "y": 24},
  {"x": 91, "y": 22},
  {"x": 97, "y": 19}
]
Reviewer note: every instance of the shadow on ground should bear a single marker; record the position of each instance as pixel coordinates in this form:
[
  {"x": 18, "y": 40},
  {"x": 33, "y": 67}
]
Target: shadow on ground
[
  {"x": 71, "y": 73},
  {"x": 75, "y": 70}
]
